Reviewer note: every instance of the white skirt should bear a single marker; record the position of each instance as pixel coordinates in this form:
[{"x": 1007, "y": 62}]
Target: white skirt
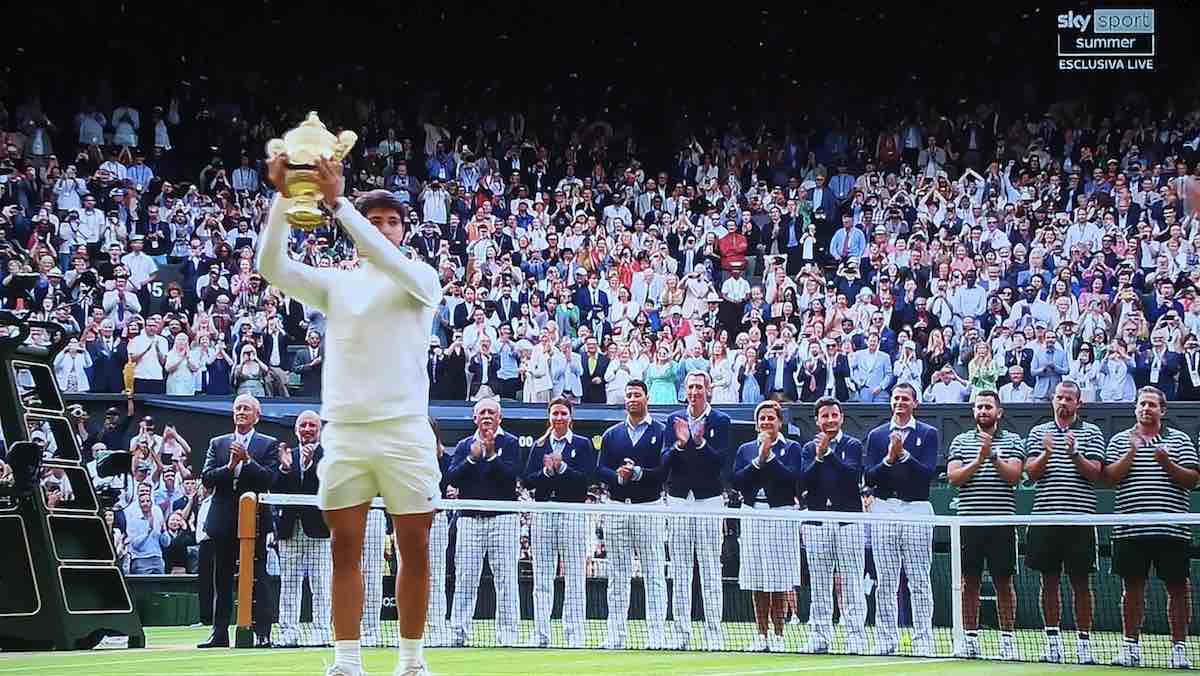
[{"x": 769, "y": 553}]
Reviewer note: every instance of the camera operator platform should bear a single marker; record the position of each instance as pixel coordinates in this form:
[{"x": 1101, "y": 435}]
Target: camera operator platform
[{"x": 63, "y": 589}]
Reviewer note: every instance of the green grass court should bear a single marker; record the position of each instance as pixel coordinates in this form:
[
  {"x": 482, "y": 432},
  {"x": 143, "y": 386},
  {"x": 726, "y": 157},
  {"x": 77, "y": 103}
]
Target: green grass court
[{"x": 170, "y": 652}]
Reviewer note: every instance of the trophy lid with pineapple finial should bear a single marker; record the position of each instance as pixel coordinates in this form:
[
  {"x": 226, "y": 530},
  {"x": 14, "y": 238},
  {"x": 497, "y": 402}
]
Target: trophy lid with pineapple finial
[{"x": 311, "y": 140}]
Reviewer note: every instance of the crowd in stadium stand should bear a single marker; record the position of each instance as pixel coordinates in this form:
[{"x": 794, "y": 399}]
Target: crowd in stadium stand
[{"x": 957, "y": 252}]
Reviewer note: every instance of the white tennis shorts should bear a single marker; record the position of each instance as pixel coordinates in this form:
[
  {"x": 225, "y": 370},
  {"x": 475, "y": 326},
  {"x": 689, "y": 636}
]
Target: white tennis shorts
[{"x": 394, "y": 458}]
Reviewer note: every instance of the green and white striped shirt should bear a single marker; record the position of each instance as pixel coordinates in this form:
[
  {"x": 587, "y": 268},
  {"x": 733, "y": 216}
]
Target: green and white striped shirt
[
  {"x": 1062, "y": 489},
  {"x": 987, "y": 493},
  {"x": 1148, "y": 487}
]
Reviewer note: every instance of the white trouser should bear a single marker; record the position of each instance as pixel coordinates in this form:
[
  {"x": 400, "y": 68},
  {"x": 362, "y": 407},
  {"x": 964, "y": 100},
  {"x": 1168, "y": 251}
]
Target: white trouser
[
  {"x": 829, "y": 546},
  {"x": 499, "y": 539},
  {"x": 372, "y": 571},
  {"x": 698, "y": 537},
  {"x": 299, "y": 557},
  {"x": 622, "y": 535},
  {"x": 439, "y": 541},
  {"x": 552, "y": 536},
  {"x": 892, "y": 544}
]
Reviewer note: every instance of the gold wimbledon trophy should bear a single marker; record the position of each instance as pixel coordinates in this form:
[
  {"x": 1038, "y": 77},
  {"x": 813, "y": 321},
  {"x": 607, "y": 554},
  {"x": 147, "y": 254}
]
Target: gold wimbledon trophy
[{"x": 303, "y": 145}]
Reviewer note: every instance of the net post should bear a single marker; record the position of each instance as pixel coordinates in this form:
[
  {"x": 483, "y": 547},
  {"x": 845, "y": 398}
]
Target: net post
[
  {"x": 247, "y": 535},
  {"x": 956, "y": 584}
]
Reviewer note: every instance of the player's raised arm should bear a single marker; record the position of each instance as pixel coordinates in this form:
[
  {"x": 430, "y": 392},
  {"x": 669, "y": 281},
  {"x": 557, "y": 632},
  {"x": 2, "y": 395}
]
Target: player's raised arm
[{"x": 307, "y": 284}]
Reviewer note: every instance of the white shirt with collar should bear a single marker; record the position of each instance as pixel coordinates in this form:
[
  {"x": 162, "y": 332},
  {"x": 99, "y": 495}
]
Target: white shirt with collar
[
  {"x": 905, "y": 430},
  {"x": 244, "y": 439},
  {"x": 694, "y": 423},
  {"x": 499, "y": 432},
  {"x": 559, "y": 445}
]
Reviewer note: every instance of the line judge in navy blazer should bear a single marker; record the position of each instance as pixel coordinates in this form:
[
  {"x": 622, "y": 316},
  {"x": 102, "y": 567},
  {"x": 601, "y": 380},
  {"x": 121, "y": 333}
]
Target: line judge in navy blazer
[
  {"x": 560, "y": 469},
  {"x": 767, "y": 473},
  {"x": 486, "y": 466},
  {"x": 695, "y": 459},
  {"x": 228, "y": 473},
  {"x": 901, "y": 457}
]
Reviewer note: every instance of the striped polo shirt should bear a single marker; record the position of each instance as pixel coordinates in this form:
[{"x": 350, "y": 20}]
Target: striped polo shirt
[
  {"x": 1062, "y": 489},
  {"x": 1147, "y": 487},
  {"x": 987, "y": 493}
]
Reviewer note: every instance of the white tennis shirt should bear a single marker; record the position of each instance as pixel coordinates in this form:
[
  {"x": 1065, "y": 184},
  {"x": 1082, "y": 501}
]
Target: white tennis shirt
[{"x": 379, "y": 318}]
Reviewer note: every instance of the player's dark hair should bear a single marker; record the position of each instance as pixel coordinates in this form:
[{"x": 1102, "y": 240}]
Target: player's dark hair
[
  {"x": 378, "y": 199},
  {"x": 638, "y": 384}
]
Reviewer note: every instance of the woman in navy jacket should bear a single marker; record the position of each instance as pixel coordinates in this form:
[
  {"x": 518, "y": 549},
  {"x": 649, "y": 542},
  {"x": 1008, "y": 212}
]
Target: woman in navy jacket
[
  {"x": 767, "y": 473},
  {"x": 560, "y": 468}
]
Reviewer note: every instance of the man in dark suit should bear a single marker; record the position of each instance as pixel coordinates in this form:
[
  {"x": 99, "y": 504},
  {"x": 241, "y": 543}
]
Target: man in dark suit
[
  {"x": 241, "y": 461},
  {"x": 696, "y": 458},
  {"x": 1018, "y": 355},
  {"x": 590, "y": 296},
  {"x": 1189, "y": 373},
  {"x": 427, "y": 242},
  {"x": 464, "y": 312},
  {"x": 435, "y": 368},
  {"x": 1127, "y": 214},
  {"x": 452, "y": 375},
  {"x": 1069, "y": 196},
  {"x": 456, "y": 235},
  {"x": 595, "y": 365},
  {"x": 781, "y": 374},
  {"x": 484, "y": 372},
  {"x": 506, "y": 306},
  {"x": 194, "y": 267},
  {"x": 108, "y": 360},
  {"x": 295, "y": 319},
  {"x": 303, "y": 538},
  {"x": 1158, "y": 366},
  {"x": 308, "y": 364},
  {"x": 900, "y": 459},
  {"x": 1161, "y": 302},
  {"x": 830, "y": 377},
  {"x": 273, "y": 351},
  {"x": 822, "y": 199}
]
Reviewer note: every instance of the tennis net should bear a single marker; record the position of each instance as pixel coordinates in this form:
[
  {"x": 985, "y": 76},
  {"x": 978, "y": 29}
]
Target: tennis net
[{"x": 689, "y": 577}]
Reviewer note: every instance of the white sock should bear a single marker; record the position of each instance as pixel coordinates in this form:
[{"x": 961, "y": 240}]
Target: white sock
[
  {"x": 410, "y": 653},
  {"x": 348, "y": 655}
]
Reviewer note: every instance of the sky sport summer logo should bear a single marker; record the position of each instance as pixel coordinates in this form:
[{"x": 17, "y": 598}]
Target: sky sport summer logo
[{"x": 1107, "y": 39}]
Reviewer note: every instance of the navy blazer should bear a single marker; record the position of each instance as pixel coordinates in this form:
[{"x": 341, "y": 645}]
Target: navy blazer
[
  {"x": 833, "y": 483},
  {"x": 107, "y": 367},
  {"x": 291, "y": 482},
  {"x": 257, "y": 475},
  {"x": 593, "y": 393},
  {"x": 268, "y": 346},
  {"x": 494, "y": 479},
  {"x": 697, "y": 469},
  {"x": 647, "y": 453},
  {"x": 579, "y": 458},
  {"x": 1172, "y": 365},
  {"x": 907, "y": 480},
  {"x": 789, "y": 376},
  {"x": 583, "y": 298},
  {"x": 778, "y": 479}
]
